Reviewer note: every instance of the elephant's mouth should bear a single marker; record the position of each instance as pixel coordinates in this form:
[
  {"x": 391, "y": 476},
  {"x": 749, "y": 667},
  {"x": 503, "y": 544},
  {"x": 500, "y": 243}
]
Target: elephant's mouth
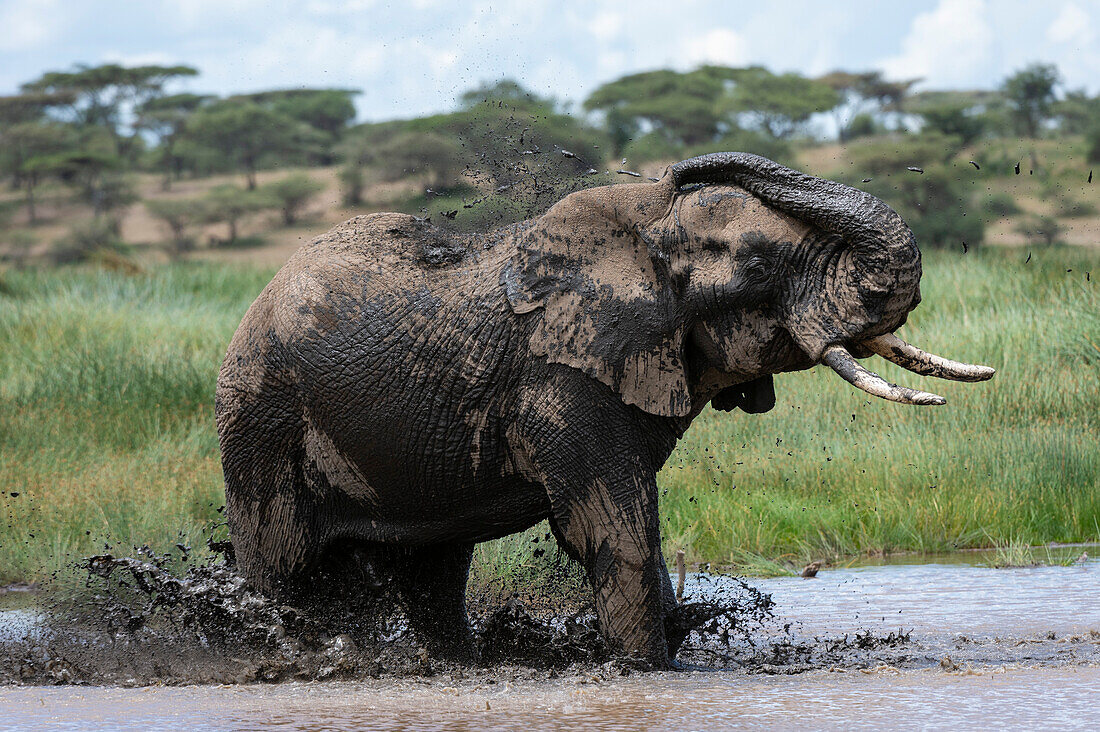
[{"x": 909, "y": 357}]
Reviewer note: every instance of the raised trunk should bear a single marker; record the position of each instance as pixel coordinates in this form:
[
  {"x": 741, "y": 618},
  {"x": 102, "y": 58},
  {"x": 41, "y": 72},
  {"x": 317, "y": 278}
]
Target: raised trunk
[{"x": 866, "y": 223}]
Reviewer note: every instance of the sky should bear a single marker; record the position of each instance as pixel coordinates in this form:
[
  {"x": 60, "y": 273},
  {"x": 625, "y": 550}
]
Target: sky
[{"x": 417, "y": 56}]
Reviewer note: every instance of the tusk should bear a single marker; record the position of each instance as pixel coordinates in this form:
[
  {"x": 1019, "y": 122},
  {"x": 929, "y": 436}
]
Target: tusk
[
  {"x": 895, "y": 350},
  {"x": 839, "y": 360}
]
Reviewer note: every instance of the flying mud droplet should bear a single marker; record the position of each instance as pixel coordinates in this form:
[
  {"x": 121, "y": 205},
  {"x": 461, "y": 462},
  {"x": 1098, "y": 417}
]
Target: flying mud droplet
[
  {"x": 976, "y": 166},
  {"x": 1017, "y": 168},
  {"x": 915, "y": 169}
]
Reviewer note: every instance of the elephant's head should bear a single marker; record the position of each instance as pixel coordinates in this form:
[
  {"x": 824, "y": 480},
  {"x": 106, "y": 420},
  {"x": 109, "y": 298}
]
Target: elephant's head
[{"x": 729, "y": 269}]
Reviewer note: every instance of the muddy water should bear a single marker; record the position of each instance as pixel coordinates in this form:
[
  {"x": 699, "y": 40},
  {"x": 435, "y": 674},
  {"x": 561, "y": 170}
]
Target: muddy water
[
  {"x": 1063, "y": 698},
  {"x": 978, "y": 647}
]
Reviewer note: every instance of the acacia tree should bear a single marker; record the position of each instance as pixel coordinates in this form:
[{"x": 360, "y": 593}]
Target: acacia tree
[
  {"x": 326, "y": 110},
  {"x": 230, "y": 204},
  {"x": 166, "y": 117},
  {"x": 29, "y": 152},
  {"x": 864, "y": 96},
  {"x": 779, "y": 103},
  {"x": 244, "y": 133},
  {"x": 1030, "y": 96},
  {"x": 292, "y": 193},
  {"x": 960, "y": 114},
  {"x": 179, "y": 214},
  {"x": 679, "y": 105},
  {"x": 100, "y": 95}
]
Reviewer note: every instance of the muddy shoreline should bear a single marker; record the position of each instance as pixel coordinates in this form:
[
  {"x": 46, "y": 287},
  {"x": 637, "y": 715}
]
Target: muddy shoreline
[{"x": 207, "y": 628}]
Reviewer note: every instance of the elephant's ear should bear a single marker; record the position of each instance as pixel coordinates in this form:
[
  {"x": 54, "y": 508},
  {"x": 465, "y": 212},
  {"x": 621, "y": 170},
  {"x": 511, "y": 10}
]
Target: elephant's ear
[
  {"x": 606, "y": 294},
  {"x": 755, "y": 397}
]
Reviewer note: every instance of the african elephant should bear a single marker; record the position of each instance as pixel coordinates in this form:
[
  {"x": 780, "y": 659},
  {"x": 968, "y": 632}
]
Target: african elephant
[{"x": 400, "y": 393}]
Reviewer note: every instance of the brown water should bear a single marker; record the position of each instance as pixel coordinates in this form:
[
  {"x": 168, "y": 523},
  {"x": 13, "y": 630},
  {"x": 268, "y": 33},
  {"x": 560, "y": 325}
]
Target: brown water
[
  {"x": 1063, "y": 698},
  {"x": 1009, "y": 648}
]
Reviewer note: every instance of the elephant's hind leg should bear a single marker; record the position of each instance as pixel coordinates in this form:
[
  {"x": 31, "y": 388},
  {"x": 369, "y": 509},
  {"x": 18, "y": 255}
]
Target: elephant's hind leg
[
  {"x": 266, "y": 492},
  {"x": 431, "y": 582}
]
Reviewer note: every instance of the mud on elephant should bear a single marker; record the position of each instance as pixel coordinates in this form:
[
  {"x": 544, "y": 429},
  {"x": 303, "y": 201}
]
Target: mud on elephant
[{"x": 397, "y": 393}]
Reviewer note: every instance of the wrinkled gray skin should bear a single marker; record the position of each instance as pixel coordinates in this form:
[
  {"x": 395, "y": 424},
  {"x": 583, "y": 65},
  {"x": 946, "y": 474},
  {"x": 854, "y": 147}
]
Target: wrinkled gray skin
[{"x": 397, "y": 393}]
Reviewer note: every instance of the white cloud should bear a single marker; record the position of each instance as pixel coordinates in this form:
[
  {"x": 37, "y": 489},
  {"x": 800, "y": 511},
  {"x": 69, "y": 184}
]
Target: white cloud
[
  {"x": 1072, "y": 25},
  {"x": 721, "y": 46},
  {"x": 605, "y": 26},
  {"x": 949, "y": 45},
  {"x": 29, "y": 24}
]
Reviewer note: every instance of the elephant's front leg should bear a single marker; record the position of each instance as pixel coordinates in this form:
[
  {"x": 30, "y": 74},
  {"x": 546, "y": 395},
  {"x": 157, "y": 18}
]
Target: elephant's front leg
[{"x": 610, "y": 524}]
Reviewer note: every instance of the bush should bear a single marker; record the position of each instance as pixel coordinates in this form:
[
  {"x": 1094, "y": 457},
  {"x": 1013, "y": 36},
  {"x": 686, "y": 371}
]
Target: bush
[
  {"x": 862, "y": 125},
  {"x": 1000, "y": 204},
  {"x": 179, "y": 214},
  {"x": 230, "y": 203},
  {"x": 292, "y": 193},
  {"x": 1092, "y": 139},
  {"x": 1041, "y": 230},
  {"x": 19, "y": 245},
  {"x": 1069, "y": 207},
  {"x": 352, "y": 180},
  {"x": 892, "y": 155},
  {"x": 935, "y": 204},
  {"x": 85, "y": 240}
]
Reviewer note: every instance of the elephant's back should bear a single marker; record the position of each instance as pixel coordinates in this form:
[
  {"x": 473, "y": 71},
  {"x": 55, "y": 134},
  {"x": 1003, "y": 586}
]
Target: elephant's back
[{"x": 394, "y": 244}]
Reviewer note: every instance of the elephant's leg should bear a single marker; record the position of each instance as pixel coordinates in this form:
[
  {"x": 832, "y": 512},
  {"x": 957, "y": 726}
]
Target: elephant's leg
[
  {"x": 612, "y": 529},
  {"x": 265, "y": 488},
  {"x": 431, "y": 582}
]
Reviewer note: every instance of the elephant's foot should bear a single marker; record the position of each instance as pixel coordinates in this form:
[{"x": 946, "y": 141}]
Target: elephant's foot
[{"x": 432, "y": 585}]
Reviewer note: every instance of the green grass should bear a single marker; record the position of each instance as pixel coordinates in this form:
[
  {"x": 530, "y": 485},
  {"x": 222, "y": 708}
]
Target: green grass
[
  {"x": 107, "y": 429},
  {"x": 106, "y": 408}
]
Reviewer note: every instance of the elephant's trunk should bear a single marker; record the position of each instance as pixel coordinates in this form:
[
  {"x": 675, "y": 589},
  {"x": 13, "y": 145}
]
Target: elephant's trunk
[
  {"x": 888, "y": 253},
  {"x": 887, "y": 259}
]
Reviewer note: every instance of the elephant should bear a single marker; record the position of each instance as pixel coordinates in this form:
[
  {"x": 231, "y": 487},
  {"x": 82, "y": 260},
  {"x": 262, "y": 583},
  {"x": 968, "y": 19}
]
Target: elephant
[{"x": 399, "y": 393}]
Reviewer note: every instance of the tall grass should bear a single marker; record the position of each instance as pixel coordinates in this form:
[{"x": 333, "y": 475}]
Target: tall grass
[
  {"x": 107, "y": 429},
  {"x": 106, "y": 408}
]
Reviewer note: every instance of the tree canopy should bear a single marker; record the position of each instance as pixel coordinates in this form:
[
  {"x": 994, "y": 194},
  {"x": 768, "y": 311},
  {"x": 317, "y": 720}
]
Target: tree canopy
[
  {"x": 779, "y": 103},
  {"x": 1030, "y": 94}
]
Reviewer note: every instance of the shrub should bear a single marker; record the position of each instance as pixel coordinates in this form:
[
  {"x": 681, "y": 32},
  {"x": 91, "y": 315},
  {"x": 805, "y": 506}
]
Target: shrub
[
  {"x": 1041, "y": 230},
  {"x": 1070, "y": 207},
  {"x": 862, "y": 125},
  {"x": 352, "y": 181},
  {"x": 1092, "y": 139},
  {"x": 179, "y": 214},
  {"x": 292, "y": 193},
  {"x": 1000, "y": 204},
  {"x": 85, "y": 240},
  {"x": 230, "y": 203}
]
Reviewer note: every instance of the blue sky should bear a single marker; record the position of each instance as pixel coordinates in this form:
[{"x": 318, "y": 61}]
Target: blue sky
[{"x": 417, "y": 56}]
